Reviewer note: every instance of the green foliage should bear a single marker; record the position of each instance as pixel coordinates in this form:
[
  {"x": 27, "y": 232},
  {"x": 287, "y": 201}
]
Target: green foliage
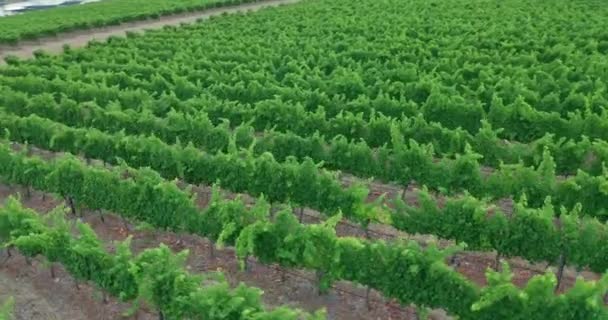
[
  {"x": 144, "y": 196},
  {"x": 305, "y": 184},
  {"x": 483, "y": 226},
  {"x": 537, "y": 299},
  {"x": 6, "y": 309},
  {"x": 156, "y": 276},
  {"x": 448, "y": 87},
  {"x": 48, "y": 22},
  {"x": 271, "y": 165},
  {"x": 302, "y": 183},
  {"x": 385, "y": 267}
]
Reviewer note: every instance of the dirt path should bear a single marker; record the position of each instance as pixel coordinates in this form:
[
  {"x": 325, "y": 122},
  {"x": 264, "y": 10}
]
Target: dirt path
[
  {"x": 38, "y": 296},
  {"x": 75, "y": 39},
  {"x": 32, "y": 305}
]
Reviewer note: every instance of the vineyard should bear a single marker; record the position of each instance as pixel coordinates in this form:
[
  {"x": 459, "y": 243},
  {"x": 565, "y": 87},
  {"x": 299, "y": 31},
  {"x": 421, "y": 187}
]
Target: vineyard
[
  {"x": 38, "y": 24},
  {"x": 404, "y": 159}
]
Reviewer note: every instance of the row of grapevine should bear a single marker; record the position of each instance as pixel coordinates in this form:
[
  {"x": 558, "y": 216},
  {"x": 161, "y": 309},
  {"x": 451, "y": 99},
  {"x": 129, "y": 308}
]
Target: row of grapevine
[
  {"x": 36, "y": 24},
  {"x": 156, "y": 276},
  {"x": 144, "y": 196},
  {"x": 401, "y": 162},
  {"x": 564, "y": 233},
  {"x": 404, "y": 163},
  {"x": 340, "y": 72},
  {"x": 400, "y": 90},
  {"x": 403, "y": 271},
  {"x": 239, "y": 171},
  {"x": 566, "y": 237},
  {"x": 376, "y": 131}
]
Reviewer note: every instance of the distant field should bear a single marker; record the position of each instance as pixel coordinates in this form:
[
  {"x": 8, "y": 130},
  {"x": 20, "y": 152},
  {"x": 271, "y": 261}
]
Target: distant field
[
  {"x": 20, "y": 7},
  {"x": 35, "y": 24}
]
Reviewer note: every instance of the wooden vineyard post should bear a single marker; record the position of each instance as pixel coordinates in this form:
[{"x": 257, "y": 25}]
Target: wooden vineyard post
[
  {"x": 497, "y": 261},
  {"x": 368, "y": 302},
  {"x": 28, "y": 192},
  {"x": 100, "y": 212},
  {"x": 211, "y": 250},
  {"x": 301, "y": 214},
  {"x": 246, "y": 264},
  {"x": 206, "y": 197},
  {"x": 560, "y": 271},
  {"x": 70, "y": 202},
  {"x": 319, "y": 275},
  {"x": 9, "y": 255},
  {"x": 562, "y": 260},
  {"x": 125, "y": 224}
]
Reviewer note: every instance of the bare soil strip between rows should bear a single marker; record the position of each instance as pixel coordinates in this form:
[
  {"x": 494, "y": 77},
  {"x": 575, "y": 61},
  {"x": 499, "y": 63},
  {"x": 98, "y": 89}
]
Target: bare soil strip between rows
[
  {"x": 472, "y": 264},
  {"x": 299, "y": 290},
  {"x": 281, "y": 286}
]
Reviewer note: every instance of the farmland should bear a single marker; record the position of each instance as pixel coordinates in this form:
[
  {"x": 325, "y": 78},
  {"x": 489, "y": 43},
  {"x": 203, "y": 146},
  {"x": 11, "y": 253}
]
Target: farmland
[
  {"x": 38, "y": 24},
  {"x": 463, "y": 143}
]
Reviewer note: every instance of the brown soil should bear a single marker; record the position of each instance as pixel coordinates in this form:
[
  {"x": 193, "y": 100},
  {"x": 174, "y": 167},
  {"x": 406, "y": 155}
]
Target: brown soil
[
  {"x": 38, "y": 296},
  {"x": 59, "y": 298},
  {"x": 300, "y": 289}
]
